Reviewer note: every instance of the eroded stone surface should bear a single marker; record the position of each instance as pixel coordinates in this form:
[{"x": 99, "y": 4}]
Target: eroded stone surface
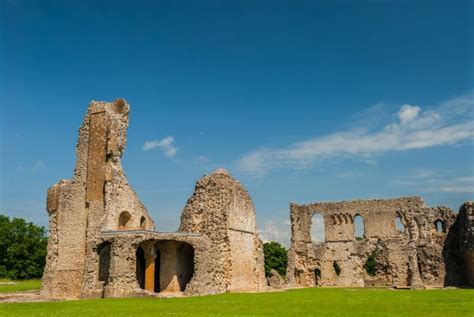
[
  {"x": 102, "y": 242},
  {"x": 275, "y": 280},
  {"x": 417, "y": 256}
]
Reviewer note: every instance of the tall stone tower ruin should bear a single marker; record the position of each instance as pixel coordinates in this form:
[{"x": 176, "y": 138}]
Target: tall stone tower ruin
[{"x": 97, "y": 198}]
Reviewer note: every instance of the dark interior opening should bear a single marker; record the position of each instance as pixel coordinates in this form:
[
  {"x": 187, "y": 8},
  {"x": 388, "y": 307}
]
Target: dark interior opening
[
  {"x": 103, "y": 250},
  {"x": 140, "y": 268},
  {"x": 186, "y": 262},
  {"x": 157, "y": 271}
]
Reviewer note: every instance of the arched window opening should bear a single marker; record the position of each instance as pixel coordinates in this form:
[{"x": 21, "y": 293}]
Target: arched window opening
[
  {"x": 142, "y": 223},
  {"x": 140, "y": 267},
  {"x": 124, "y": 220},
  {"x": 317, "y": 276},
  {"x": 336, "y": 267},
  {"x": 440, "y": 226},
  {"x": 317, "y": 229},
  {"x": 103, "y": 250},
  {"x": 359, "y": 228},
  {"x": 399, "y": 224}
]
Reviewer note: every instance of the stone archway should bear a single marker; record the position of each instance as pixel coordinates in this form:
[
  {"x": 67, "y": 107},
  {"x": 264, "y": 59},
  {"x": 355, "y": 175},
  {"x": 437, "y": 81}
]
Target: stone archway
[
  {"x": 140, "y": 267},
  {"x": 175, "y": 267}
]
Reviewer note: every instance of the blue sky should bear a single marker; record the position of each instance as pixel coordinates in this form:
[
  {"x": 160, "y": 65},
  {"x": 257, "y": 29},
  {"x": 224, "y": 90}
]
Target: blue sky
[{"x": 300, "y": 100}]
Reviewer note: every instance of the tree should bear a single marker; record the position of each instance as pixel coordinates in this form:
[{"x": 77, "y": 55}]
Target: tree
[
  {"x": 276, "y": 258},
  {"x": 22, "y": 249}
]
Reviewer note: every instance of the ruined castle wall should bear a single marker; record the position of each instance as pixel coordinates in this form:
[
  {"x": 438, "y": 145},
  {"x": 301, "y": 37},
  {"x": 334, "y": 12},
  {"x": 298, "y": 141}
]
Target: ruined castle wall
[
  {"x": 413, "y": 257},
  {"x": 466, "y": 241}
]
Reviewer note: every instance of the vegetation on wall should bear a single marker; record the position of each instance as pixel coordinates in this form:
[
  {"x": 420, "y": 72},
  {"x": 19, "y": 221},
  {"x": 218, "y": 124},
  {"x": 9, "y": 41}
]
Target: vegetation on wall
[
  {"x": 22, "y": 249},
  {"x": 336, "y": 267},
  {"x": 276, "y": 257},
  {"x": 371, "y": 264}
]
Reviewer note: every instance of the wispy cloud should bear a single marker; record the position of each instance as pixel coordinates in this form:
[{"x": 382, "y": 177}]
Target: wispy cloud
[
  {"x": 427, "y": 181},
  {"x": 412, "y": 128},
  {"x": 459, "y": 185},
  {"x": 166, "y": 144},
  {"x": 38, "y": 166},
  {"x": 279, "y": 231}
]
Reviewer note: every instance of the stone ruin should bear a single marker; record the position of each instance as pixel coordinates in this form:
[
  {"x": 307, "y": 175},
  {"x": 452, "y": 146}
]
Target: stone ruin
[
  {"x": 102, "y": 241},
  {"x": 433, "y": 247}
]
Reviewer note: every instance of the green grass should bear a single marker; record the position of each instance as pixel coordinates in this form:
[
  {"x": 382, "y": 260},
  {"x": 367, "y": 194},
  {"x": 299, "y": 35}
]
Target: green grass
[
  {"x": 302, "y": 302},
  {"x": 19, "y": 286}
]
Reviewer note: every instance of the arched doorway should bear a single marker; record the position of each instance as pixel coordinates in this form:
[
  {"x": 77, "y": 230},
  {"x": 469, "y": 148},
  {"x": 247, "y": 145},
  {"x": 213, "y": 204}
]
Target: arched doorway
[
  {"x": 317, "y": 276},
  {"x": 103, "y": 250},
  {"x": 186, "y": 261},
  {"x": 140, "y": 267},
  {"x": 174, "y": 266}
]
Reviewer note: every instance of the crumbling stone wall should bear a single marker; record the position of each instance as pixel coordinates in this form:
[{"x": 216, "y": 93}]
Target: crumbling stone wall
[
  {"x": 221, "y": 209},
  {"x": 101, "y": 238},
  {"x": 414, "y": 257},
  {"x": 459, "y": 248},
  {"x": 467, "y": 246},
  {"x": 91, "y": 201}
]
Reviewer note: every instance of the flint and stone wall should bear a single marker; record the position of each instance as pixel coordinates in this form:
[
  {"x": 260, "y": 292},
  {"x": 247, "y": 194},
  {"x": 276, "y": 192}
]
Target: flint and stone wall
[
  {"x": 101, "y": 239},
  {"x": 418, "y": 256},
  {"x": 222, "y": 210}
]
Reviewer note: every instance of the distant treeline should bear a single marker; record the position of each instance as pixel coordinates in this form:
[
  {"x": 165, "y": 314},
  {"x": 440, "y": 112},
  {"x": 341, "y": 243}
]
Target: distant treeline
[{"x": 22, "y": 249}]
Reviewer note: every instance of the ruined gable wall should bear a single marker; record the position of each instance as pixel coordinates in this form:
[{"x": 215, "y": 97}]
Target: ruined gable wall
[
  {"x": 80, "y": 208},
  {"x": 221, "y": 209}
]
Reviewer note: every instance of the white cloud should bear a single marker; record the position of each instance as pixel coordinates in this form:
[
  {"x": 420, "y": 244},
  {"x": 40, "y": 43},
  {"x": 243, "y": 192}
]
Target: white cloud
[
  {"x": 459, "y": 185},
  {"x": 276, "y": 231},
  {"x": 38, "y": 166},
  {"x": 414, "y": 129},
  {"x": 407, "y": 113},
  {"x": 166, "y": 144},
  {"x": 427, "y": 181}
]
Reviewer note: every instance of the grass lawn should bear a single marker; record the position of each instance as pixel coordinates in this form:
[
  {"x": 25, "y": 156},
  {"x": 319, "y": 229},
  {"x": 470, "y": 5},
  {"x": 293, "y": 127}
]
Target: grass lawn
[
  {"x": 301, "y": 302},
  {"x": 19, "y": 286}
]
